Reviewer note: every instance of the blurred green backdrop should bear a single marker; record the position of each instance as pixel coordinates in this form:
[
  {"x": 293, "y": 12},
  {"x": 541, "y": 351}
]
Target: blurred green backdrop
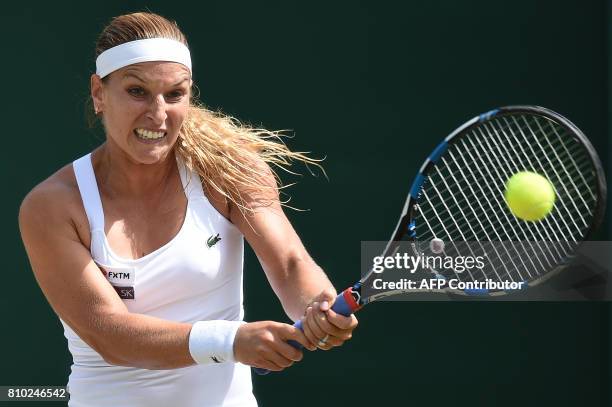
[{"x": 372, "y": 86}]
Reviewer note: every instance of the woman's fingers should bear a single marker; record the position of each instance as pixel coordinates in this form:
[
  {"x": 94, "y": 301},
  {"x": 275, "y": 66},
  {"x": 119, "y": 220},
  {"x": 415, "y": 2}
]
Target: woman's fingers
[
  {"x": 325, "y": 327},
  {"x": 264, "y": 344},
  {"x": 345, "y": 325}
]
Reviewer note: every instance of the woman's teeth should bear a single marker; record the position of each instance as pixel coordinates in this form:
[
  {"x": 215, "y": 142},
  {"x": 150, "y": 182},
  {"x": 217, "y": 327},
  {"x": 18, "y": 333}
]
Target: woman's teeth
[{"x": 149, "y": 135}]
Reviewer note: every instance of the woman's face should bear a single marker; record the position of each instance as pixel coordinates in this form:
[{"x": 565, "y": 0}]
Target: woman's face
[{"x": 143, "y": 107}]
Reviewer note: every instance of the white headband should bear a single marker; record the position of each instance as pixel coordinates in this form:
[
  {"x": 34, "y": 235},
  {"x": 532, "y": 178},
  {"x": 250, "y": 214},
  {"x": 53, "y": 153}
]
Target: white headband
[{"x": 152, "y": 49}]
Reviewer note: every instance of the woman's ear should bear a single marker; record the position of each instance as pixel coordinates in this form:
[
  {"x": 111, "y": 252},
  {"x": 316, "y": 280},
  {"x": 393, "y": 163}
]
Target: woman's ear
[{"x": 97, "y": 93}]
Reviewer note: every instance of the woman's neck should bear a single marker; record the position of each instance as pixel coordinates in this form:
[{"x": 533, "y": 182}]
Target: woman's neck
[{"x": 120, "y": 176}]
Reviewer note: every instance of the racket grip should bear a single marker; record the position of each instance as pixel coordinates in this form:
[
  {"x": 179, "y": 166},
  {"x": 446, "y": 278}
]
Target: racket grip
[{"x": 345, "y": 305}]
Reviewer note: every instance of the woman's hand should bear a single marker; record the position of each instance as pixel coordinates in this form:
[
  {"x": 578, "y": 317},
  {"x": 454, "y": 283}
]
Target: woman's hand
[
  {"x": 264, "y": 344},
  {"x": 325, "y": 328}
]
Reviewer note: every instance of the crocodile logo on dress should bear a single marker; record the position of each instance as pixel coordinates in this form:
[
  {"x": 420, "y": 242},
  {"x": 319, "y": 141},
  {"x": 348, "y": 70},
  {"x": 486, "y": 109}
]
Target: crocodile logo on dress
[{"x": 213, "y": 240}]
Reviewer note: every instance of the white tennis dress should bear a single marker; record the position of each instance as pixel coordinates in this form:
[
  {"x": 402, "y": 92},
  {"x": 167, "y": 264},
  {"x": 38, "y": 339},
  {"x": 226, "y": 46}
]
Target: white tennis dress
[{"x": 195, "y": 276}]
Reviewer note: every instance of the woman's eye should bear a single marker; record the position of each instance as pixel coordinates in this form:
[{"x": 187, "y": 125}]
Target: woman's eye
[
  {"x": 176, "y": 95},
  {"x": 172, "y": 96},
  {"x": 136, "y": 91}
]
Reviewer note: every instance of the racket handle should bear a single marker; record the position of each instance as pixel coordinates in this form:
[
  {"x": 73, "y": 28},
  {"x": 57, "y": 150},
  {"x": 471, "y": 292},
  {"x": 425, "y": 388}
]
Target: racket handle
[{"x": 345, "y": 304}]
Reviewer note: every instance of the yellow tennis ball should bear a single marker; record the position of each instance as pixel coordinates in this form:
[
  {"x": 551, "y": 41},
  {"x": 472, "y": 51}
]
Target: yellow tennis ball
[{"x": 529, "y": 196}]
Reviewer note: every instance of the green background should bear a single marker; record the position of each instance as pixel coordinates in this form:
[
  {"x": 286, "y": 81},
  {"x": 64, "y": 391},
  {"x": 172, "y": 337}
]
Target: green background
[{"x": 372, "y": 86}]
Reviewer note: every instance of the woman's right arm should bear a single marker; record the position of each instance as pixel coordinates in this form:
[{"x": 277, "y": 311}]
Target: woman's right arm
[{"x": 79, "y": 294}]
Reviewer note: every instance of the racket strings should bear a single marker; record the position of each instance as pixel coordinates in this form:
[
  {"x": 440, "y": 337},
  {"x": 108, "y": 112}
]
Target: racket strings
[
  {"x": 509, "y": 233},
  {"x": 585, "y": 163},
  {"x": 468, "y": 150},
  {"x": 556, "y": 147},
  {"x": 511, "y": 223},
  {"x": 463, "y": 236},
  {"x": 512, "y": 167},
  {"x": 472, "y": 150},
  {"x": 549, "y": 169},
  {"x": 494, "y": 236},
  {"x": 453, "y": 243},
  {"x": 557, "y": 216},
  {"x": 466, "y": 221},
  {"x": 564, "y": 168},
  {"x": 531, "y": 157},
  {"x": 503, "y": 154},
  {"x": 463, "y": 200},
  {"x": 512, "y": 226}
]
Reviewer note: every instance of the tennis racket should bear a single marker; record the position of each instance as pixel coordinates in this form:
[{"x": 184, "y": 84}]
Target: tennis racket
[{"x": 458, "y": 196}]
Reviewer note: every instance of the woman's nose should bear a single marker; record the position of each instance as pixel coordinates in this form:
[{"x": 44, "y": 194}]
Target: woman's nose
[{"x": 157, "y": 110}]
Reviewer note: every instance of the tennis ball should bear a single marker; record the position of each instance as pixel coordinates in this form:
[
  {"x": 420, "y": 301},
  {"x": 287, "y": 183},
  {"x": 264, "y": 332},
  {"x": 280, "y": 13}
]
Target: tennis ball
[{"x": 529, "y": 196}]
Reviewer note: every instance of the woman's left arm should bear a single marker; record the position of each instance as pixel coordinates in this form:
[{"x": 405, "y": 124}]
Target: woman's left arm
[{"x": 301, "y": 285}]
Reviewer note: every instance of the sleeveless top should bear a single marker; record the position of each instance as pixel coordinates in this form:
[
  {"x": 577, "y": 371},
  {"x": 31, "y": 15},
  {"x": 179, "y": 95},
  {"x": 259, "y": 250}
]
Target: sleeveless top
[{"x": 196, "y": 276}]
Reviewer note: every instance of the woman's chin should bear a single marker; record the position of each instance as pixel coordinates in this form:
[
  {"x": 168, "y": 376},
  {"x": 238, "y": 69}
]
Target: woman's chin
[
  {"x": 150, "y": 154},
  {"x": 151, "y": 157}
]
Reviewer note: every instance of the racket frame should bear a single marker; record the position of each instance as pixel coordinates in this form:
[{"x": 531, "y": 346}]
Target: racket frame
[{"x": 405, "y": 229}]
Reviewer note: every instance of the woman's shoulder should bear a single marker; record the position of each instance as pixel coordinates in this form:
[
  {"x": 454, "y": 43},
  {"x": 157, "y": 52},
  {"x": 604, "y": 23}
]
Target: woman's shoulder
[
  {"x": 55, "y": 200},
  {"x": 59, "y": 189}
]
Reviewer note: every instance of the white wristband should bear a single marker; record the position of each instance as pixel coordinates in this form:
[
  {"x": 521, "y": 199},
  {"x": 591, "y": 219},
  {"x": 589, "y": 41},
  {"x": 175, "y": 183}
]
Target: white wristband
[{"x": 213, "y": 341}]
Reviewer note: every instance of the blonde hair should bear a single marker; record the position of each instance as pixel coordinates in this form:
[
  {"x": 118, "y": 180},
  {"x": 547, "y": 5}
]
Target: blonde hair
[{"x": 230, "y": 157}]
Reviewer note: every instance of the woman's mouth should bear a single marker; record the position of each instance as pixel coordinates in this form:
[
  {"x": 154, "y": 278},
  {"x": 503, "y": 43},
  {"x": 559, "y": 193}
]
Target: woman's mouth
[{"x": 150, "y": 136}]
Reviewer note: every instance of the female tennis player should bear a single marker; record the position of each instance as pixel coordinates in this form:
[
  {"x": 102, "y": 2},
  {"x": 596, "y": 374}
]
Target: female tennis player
[{"x": 138, "y": 245}]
